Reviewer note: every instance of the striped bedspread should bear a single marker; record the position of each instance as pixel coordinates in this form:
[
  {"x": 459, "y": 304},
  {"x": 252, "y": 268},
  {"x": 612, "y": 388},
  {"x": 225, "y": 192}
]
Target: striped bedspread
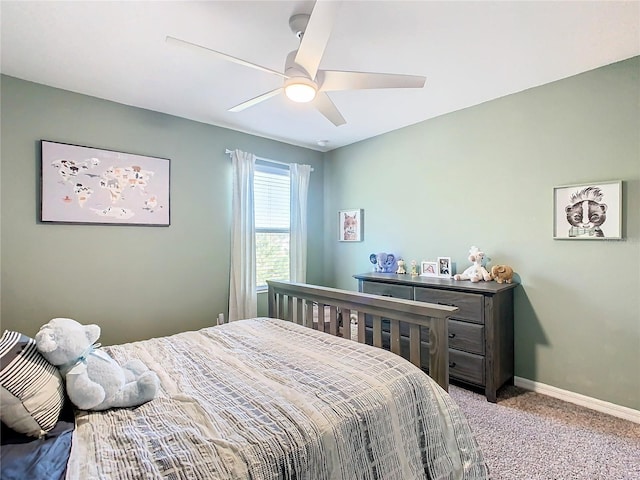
[{"x": 268, "y": 399}]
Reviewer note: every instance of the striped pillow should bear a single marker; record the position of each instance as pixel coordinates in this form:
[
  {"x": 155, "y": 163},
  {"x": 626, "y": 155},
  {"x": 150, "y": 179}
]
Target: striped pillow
[{"x": 32, "y": 392}]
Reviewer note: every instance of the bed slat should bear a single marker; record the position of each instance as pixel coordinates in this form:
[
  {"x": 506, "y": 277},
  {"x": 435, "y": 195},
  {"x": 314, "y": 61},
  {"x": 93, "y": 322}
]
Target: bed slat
[
  {"x": 289, "y": 308},
  {"x": 308, "y": 319},
  {"x": 361, "y": 327},
  {"x": 395, "y": 336},
  {"x": 299, "y": 315},
  {"x": 321, "y": 317},
  {"x": 333, "y": 320},
  {"x": 414, "y": 345},
  {"x": 346, "y": 323},
  {"x": 377, "y": 331}
]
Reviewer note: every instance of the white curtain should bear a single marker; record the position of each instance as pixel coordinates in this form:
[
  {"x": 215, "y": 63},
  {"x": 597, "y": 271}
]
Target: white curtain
[
  {"x": 298, "y": 248},
  {"x": 243, "y": 302}
]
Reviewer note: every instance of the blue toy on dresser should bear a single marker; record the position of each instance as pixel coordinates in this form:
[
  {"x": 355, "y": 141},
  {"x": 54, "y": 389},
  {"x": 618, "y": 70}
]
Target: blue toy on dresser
[{"x": 384, "y": 262}]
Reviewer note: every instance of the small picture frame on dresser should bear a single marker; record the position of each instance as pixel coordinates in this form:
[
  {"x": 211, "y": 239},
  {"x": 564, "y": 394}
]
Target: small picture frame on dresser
[
  {"x": 444, "y": 267},
  {"x": 429, "y": 269}
]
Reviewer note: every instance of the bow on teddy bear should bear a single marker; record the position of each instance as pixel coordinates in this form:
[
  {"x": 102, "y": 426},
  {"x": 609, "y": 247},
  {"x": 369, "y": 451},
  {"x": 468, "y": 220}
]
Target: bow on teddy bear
[
  {"x": 475, "y": 272},
  {"x": 94, "y": 380}
]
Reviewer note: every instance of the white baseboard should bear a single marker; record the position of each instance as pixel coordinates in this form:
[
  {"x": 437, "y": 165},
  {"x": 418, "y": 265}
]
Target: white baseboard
[{"x": 578, "y": 399}]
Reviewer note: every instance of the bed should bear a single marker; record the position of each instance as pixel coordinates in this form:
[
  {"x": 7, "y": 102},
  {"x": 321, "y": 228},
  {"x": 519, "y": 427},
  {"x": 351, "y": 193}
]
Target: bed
[{"x": 271, "y": 398}]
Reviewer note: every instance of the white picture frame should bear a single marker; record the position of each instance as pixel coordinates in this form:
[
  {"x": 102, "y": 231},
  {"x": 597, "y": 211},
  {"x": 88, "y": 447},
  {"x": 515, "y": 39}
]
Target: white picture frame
[
  {"x": 603, "y": 200},
  {"x": 350, "y": 225},
  {"x": 444, "y": 267},
  {"x": 428, "y": 269}
]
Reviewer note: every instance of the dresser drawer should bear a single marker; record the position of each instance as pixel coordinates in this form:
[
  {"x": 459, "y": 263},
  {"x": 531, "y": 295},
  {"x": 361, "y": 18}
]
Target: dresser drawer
[
  {"x": 388, "y": 290},
  {"x": 470, "y": 304},
  {"x": 463, "y": 366},
  {"x": 466, "y": 336},
  {"x": 404, "y": 329},
  {"x": 466, "y": 366}
]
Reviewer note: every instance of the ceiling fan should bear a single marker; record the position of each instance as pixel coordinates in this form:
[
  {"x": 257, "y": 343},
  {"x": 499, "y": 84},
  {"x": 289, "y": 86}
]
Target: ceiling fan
[{"x": 303, "y": 80}]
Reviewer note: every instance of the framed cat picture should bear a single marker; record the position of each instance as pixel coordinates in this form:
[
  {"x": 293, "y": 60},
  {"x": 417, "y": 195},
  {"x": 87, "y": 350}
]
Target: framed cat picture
[
  {"x": 589, "y": 211},
  {"x": 350, "y": 225}
]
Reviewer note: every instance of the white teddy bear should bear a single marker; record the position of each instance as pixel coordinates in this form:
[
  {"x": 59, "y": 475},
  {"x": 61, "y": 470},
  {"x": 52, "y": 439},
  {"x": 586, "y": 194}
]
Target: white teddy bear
[
  {"x": 475, "y": 272},
  {"x": 94, "y": 380}
]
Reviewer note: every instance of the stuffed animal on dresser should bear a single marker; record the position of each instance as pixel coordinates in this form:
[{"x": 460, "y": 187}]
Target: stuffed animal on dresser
[
  {"x": 476, "y": 272},
  {"x": 384, "y": 262},
  {"x": 94, "y": 380},
  {"x": 502, "y": 273}
]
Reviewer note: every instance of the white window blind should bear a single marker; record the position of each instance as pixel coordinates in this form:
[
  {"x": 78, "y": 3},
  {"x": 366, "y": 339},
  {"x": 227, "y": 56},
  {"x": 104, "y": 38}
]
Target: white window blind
[{"x": 272, "y": 218}]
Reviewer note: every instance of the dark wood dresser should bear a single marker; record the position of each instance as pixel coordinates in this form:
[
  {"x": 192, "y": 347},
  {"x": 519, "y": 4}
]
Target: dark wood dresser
[{"x": 480, "y": 332}]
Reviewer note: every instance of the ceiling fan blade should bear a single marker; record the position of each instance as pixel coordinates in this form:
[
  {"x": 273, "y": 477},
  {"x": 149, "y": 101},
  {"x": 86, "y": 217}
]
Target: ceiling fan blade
[
  {"x": 194, "y": 46},
  {"x": 256, "y": 100},
  {"x": 331, "y": 80},
  {"x": 316, "y": 35},
  {"x": 326, "y": 107}
]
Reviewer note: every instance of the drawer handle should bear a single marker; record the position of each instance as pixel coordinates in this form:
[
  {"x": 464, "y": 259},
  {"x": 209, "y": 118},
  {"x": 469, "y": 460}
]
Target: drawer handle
[
  {"x": 452, "y": 335},
  {"x": 452, "y": 364},
  {"x": 446, "y": 304}
]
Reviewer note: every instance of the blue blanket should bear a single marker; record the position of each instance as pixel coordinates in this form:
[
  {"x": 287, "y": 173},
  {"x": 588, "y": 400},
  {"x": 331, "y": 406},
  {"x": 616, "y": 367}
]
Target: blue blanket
[{"x": 38, "y": 458}]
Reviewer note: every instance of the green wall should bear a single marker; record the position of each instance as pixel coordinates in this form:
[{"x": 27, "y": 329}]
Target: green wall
[
  {"x": 484, "y": 176},
  {"x": 135, "y": 282}
]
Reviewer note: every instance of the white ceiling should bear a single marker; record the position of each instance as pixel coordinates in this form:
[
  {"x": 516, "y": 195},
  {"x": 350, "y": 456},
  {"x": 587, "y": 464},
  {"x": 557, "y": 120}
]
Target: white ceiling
[{"x": 470, "y": 52}]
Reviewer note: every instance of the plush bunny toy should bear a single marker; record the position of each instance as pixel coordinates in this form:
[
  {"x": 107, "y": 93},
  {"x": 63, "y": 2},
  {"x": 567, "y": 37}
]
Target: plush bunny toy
[
  {"x": 475, "y": 272},
  {"x": 94, "y": 380}
]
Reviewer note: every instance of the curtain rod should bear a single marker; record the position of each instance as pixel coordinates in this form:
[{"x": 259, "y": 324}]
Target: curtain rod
[{"x": 229, "y": 152}]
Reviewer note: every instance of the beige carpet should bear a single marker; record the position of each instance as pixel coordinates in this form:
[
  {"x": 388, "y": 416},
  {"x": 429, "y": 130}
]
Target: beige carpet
[{"x": 531, "y": 436}]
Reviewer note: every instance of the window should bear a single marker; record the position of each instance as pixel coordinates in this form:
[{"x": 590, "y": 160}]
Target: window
[{"x": 272, "y": 215}]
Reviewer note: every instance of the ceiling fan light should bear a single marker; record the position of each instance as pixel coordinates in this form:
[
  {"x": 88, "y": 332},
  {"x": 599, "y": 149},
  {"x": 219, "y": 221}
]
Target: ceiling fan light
[{"x": 300, "y": 90}]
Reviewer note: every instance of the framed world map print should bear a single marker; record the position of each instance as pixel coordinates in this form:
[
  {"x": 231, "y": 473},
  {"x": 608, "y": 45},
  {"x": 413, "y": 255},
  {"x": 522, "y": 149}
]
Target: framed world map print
[{"x": 88, "y": 185}]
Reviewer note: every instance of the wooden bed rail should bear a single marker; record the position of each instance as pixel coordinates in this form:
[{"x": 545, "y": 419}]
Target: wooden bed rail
[{"x": 295, "y": 302}]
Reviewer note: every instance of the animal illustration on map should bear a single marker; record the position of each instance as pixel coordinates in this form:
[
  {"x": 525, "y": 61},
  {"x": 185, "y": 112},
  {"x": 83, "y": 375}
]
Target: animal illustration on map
[
  {"x": 116, "y": 179},
  {"x": 114, "y": 212},
  {"x": 83, "y": 193},
  {"x": 68, "y": 169},
  {"x": 150, "y": 203}
]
